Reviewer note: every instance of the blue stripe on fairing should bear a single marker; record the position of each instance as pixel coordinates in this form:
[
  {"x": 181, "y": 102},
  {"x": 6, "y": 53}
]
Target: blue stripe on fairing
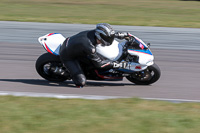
[
  {"x": 142, "y": 51},
  {"x": 57, "y": 50},
  {"x": 52, "y": 34},
  {"x": 53, "y": 52}
]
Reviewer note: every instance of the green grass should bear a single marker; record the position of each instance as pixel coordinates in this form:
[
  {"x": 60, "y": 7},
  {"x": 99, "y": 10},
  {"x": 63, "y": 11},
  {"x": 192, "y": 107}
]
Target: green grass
[
  {"x": 168, "y": 13},
  {"x": 49, "y": 115}
]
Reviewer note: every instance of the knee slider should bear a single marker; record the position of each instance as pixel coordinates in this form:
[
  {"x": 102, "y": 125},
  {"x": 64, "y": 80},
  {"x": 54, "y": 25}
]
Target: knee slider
[{"x": 79, "y": 80}]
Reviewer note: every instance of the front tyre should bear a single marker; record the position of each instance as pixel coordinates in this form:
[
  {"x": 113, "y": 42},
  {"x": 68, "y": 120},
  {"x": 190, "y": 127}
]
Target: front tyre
[
  {"x": 146, "y": 77},
  {"x": 47, "y": 66}
]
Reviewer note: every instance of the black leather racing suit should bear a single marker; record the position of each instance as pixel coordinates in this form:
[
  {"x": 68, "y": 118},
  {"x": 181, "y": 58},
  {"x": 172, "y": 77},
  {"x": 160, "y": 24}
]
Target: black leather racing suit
[{"x": 81, "y": 45}]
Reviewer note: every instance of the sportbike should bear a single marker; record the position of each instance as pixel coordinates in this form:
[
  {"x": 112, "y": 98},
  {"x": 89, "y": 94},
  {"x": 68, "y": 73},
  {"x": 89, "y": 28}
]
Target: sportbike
[{"x": 140, "y": 68}]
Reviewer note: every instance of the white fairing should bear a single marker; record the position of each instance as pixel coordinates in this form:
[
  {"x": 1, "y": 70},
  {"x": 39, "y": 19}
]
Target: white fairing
[
  {"x": 52, "y": 42},
  {"x": 144, "y": 61},
  {"x": 112, "y": 52}
]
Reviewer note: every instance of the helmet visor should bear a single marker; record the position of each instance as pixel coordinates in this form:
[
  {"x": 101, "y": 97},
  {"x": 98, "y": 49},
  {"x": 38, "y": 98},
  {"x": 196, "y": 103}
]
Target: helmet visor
[{"x": 108, "y": 39}]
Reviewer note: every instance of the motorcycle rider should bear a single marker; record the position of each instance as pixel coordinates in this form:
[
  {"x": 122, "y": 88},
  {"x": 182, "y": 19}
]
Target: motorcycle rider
[{"x": 84, "y": 44}]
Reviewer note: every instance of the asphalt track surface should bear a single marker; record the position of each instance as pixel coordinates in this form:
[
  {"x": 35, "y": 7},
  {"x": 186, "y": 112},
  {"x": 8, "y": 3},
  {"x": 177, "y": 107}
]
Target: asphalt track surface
[{"x": 176, "y": 51}]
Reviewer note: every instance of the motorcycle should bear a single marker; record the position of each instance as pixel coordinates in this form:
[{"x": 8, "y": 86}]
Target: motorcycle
[{"x": 140, "y": 69}]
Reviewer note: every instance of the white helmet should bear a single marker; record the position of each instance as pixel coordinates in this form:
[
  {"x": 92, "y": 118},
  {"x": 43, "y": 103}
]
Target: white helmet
[{"x": 105, "y": 33}]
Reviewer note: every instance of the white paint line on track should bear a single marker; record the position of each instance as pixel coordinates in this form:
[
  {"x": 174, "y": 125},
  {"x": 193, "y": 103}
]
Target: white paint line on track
[
  {"x": 77, "y": 96},
  {"x": 172, "y": 100},
  {"x": 59, "y": 96}
]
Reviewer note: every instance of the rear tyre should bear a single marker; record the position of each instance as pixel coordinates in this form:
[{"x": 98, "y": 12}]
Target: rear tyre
[
  {"x": 146, "y": 77},
  {"x": 46, "y": 66}
]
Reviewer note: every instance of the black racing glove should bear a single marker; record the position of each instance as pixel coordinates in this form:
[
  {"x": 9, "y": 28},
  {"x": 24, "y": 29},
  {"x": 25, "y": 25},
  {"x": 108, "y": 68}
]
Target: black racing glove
[{"x": 121, "y": 35}]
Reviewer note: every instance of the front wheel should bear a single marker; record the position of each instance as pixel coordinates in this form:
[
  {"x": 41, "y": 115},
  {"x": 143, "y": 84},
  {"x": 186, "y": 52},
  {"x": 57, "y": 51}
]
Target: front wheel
[
  {"x": 50, "y": 68},
  {"x": 146, "y": 77}
]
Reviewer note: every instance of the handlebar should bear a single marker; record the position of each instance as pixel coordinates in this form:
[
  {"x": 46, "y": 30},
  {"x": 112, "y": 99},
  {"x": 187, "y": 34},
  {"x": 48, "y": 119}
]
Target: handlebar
[
  {"x": 131, "y": 40},
  {"x": 124, "y": 35}
]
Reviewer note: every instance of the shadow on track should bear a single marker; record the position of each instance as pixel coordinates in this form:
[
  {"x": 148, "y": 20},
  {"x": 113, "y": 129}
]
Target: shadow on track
[{"x": 64, "y": 84}]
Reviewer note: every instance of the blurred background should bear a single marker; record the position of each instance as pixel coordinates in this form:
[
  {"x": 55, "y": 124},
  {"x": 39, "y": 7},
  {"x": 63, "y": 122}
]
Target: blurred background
[{"x": 165, "y": 13}]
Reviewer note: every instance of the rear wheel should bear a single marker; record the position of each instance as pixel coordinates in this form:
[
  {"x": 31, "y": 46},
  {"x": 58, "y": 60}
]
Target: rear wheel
[
  {"x": 146, "y": 77},
  {"x": 50, "y": 68}
]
